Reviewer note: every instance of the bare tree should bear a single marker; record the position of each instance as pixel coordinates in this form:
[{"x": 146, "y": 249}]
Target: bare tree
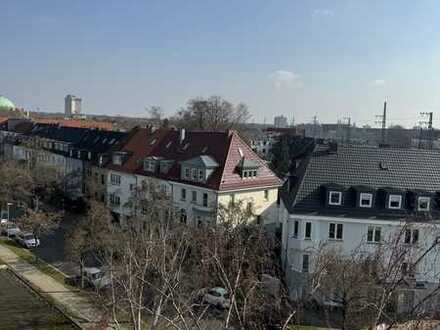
[
  {"x": 213, "y": 113},
  {"x": 370, "y": 284}
]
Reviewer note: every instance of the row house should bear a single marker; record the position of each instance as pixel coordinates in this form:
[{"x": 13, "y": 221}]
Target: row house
[
  {"x": 71, "y": 151},
  {"x": 357, "y": 197},
  {"x": 199, "y": 170}
]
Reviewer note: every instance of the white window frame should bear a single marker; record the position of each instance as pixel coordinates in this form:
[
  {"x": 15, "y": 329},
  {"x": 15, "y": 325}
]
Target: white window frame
[
  {"x": 115, "y": 179},
  {"x": 339, "y": 193},
  {"x": 335, "y": 233},
  {"x": 305, "y": 230},
  {"x": 305, "y": 269},
  {"x": 423, "y": 199},
  {"x": 374, "y": 229},
  {"x": 395, "y": 197},
  {"x": 366, "y": 196}
]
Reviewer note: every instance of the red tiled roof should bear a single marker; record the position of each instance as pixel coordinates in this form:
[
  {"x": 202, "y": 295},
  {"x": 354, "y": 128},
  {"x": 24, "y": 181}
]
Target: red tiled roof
[
  {"x": 80, "y": 123},
  {"x": 231, "y": 179},
  {"x": 223, "y": 147}
]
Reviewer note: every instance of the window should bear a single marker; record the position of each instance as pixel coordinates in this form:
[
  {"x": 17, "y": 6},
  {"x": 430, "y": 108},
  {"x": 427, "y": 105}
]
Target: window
[
  {"x": 335, "y": 198},
  {"x": 305, "y": 263},
  {"x": 423, "y": 203},
  {"x": 187, "y": 173},
  {"x": 335, "y": 230},
  {"x": 205, "y": 199},
  {"x": 365, "y": 200},
  {"x": 194, "y": 174},
  {"x": 151, "y": 166},
  {"x": 115, "y": 179},
  {"x": 411, "y": 236},
  {"x": 395, "y": 202},
  {"x": 115, "y": 199},
  {"x": 266, "y": 195},
  {"x": 132, "y": 186},
  {"x": 201, "y": 175},
  {"x": 102, "y": 179},
  {"x": 183, "y": 194},
  {"x": 308, "y": 230},
  {"x": 183, "y": 216},
  {"x": 296, "y": 229},
  {"x": 194, "y": 196},
  {"x": 374, "y": 234}
]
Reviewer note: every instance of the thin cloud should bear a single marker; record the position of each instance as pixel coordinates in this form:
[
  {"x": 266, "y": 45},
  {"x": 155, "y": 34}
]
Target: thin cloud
[
  {"x": 323, "y": 12},
  {"x": 379, "y": 82},
  {"x": 284, "y": 78}
]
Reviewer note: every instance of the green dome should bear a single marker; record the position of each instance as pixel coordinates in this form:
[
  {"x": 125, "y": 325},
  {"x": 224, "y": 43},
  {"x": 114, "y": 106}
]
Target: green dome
[{"x": 5, "y": 103}]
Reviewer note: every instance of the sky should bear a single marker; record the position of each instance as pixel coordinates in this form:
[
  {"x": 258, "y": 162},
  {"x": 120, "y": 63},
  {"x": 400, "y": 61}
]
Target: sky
[{"x": 330, "y": 59}]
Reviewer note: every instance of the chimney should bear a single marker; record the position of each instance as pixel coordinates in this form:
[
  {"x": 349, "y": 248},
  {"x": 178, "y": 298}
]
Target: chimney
[{"x": 181, "y": 135}]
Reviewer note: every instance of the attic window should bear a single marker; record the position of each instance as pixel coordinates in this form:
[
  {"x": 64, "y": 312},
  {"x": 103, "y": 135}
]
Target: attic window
[
  {"x": 240, "y": 152},
  {"x": 335, "y": 198},
  {"x": 423, "y": 203},
  {"x": 395, "y": 202},
  {"x": 365, "y": 200}
]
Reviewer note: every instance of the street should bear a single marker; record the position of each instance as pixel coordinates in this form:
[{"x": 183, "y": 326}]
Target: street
[{"x": 52, "y": 249}]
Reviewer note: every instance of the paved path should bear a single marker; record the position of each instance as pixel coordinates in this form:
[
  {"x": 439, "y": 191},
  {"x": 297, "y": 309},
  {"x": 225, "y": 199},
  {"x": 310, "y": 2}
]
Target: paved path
[{"x": 78, "y": 307}]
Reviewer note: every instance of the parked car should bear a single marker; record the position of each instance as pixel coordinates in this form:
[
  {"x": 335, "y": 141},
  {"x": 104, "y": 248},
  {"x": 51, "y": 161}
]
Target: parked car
[
  {"x": 9, "y": 229},
  {"x": 218, "y": 297},
  {"x": 28, "y": 240},
  {"x": 93, "y": 277}
]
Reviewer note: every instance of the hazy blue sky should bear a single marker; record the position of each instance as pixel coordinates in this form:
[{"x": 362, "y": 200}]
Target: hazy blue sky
[{"x": 329, "y": 58}]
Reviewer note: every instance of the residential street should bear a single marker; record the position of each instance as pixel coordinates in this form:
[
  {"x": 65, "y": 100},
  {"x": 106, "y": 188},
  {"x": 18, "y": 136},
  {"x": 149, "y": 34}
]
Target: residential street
[{"x": 52, "y": 248}]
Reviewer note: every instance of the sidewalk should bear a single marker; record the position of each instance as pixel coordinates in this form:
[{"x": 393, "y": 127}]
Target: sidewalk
[{"x": 78, "y": 307}]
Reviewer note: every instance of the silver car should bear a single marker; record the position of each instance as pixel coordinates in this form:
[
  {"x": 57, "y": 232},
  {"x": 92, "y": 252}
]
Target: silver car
[{"x": 28, "y": 240}]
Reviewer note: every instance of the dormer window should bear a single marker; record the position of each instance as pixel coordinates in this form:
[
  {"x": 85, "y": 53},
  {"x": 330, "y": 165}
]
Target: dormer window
[
  {"x": 335, "y": 198},
  {"x": 365, "y": 200},
  {"x": 119, "y": 157},
  {"x": 423, "y": 203},
  {"x": 187, "y": 173},
  {"x": 248, "y": 168},
  {"x": 395, "y": 202}
]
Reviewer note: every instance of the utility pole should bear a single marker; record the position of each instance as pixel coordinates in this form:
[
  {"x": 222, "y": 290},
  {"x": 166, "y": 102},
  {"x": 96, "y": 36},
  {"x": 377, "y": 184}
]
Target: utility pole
[
  {"x": 348, "y": 128},
  {"x": 430, "y": 130},
  {"x": 383, "y": 121}
]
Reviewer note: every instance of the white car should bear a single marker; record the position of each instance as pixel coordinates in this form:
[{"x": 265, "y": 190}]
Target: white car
[
  {"x": 218, "y": 297},
  {"x": 9, "y": 229},
  {"x": 96, "y": 277},
  {"x": 28, "y": 240}
]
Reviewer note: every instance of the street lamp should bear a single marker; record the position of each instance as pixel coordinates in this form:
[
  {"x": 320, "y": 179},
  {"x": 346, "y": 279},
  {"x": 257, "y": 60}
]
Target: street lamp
[{"x": 7, "y": 223}]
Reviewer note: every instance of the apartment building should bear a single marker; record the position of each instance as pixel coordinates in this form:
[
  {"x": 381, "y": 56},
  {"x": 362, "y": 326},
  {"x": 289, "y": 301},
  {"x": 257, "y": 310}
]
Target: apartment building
[
  {"x": 357, "y": 197},
  {"x": 199, "y": 170}
]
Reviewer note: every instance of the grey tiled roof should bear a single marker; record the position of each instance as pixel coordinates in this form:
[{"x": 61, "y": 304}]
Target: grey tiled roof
[{"x": 405, "y": 169}]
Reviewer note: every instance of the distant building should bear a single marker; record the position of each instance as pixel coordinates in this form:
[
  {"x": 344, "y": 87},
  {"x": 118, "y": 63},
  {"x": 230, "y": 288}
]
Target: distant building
[
  {"x": 72, "y": 106},
  {"x": 6, "y": 104},
  {"x": 280, "y": 122}
]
